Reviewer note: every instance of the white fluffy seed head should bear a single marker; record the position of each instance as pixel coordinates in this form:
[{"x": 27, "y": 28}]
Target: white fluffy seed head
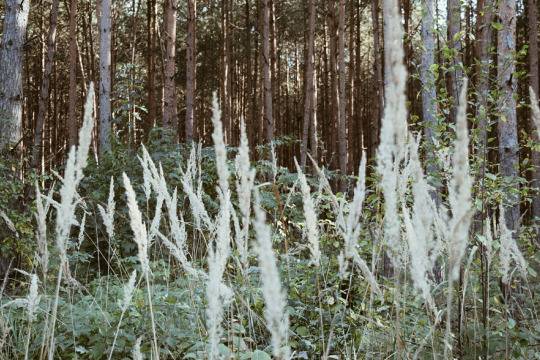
[
  {"x": 136, "y": 351},
  {"x": 509, "y": 252},
  {"x": 129, "y": 289},
  {"x": 535, "y": 110},
  {"x": 41, "y": 219},
  {"x": 275, "y": 313},
  {"x": 312, "y": 227},
  {"x": 459, "y": 191},
  {"x": 137, "y": 226}
]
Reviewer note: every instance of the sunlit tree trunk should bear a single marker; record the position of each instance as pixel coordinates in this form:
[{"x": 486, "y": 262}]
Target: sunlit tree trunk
[
  {"x": 150, "y": 64},
  {"x": 11, "y": 71}
]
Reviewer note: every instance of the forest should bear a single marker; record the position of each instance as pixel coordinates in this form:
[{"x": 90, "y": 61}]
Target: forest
[{"x": 269, "y": 179}]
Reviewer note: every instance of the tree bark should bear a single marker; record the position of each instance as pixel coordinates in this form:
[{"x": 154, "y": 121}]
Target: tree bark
[
  {"x": 429, "y": 89},
  {"x": 342, "y": 101},
  {"x": 191, "y": 63},
  {"x": 507, "y": 125},
  {"x": 267, "y": 76},
  {"x": 43, "y": 105},
  {"x": 169, "y": 89},
  {"x": 378, "y": 93},
  {"x": 73, "y": 57},
  {"x": 533, "y": 73},
  {"x": 150, "y": 64},
  {"x": 11, "y": 71},
  {"x": 105, "y": 77},
  {"x": 453, "y": 9},
  {"x": 309, "y": 82}
]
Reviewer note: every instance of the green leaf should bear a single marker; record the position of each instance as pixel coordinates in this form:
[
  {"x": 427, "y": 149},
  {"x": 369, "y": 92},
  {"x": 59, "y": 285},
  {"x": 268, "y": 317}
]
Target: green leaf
[{"x": 260, "y": 355}]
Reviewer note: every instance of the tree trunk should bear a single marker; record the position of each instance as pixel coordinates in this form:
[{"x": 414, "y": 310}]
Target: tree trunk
[
  {"x": 378, "y": 93},
  {"x": 429, "y": 86},
  {"x": 105, "y": 77},
  {"x": 267, "y": 76},
  {"x": 533, "y": 73},
  {"x": 507, "y": 125},
  {"x": 334, "y": 86},
  {"x": 485, "y": 11},
  {"x": 342, "y": 104},
  {"x": 45, "y": 85},
  {"x": 72, "y": 115},
  {"x": 455, "y": 67},
  {"x": 150, "y": 64},
  {"x": 191, "y": 63},
  {"x": 309, "y": 82},
  {"x": 11, "y": 71},
  {"x": 169, "y": 89}
]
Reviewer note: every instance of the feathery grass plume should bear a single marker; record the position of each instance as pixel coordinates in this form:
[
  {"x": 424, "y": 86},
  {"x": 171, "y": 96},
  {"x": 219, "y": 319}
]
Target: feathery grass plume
[
  {"x": 275, "y": 313},
  {"x": 137, "y": 226},
  {"x": 136, "y": 351},
  {"x": 459, "y": 190},
  {"x": 535, "y": 109},
  {"x": 31, "y": 301},
  {"x": 108, "y": 214},
  {"x": 509, "y": 251},
  {"x": 65, "y": 210},
  {"x": 244, "y": 187},
  {"x": 82, "y": 225},
  {"x": 198, "y": 209},
  {"x": 219, "y": 249},
  {"x": 312, "y": 226},
  {"x": 459, "y": 196},
  {"x": 141, "y": 239},
  {"x": 393, "y": 129},
  {"x": 419, "y": 229},
  {"x": 41, "y": 220}
]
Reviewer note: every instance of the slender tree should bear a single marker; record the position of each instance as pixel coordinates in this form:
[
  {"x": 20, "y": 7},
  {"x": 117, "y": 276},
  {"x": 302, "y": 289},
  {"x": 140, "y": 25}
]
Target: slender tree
[
  {"x": 43, "y": 104},
  {"x": 309, "y": 79},
  {"x": 342, "y": 101},
  {"x": 73, "y": 57},
  {"x": 507, "y": 125},
  {"x": 191, "y": 64},
  {"x": 169, "y": 88},
  {"x": 105, "y": 29},
  {"x": 11, "y": 71},
  {"x": 150, "y": 63},
  {"x": 533, "y": 76},
  {"x": 453, "y": 11},
  {"x": 429, "y": 89},
  {"x": 267, "y": 76}
]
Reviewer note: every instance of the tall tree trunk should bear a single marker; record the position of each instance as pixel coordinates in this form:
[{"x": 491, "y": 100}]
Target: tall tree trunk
[
  {"x": 485, "y": 11},
  {"x": 453, "y": 9},
  {"x": 150, "y": 64},
  {"x": 429, "y": 89},
  {"x": 105, "y": 77},
  {"x": 378, "y": 92},
  {"x": 191, "y": 63},
  {"x": 309, "y": 82},
  {"x": 334, "y": 86},
  {"x": 342, "y": 104},
  {"x": 72, "y": 116},
  {"x": 267, "y": 76},
  {"x": 11, "y": 71},
  {"x": 226, "y": 70},
  {"x": 507, "y": 125},
  {"x": 169, "y": 88},
  {"x": 533, "y": 73},
  {"x": 45, "y": 85}
]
